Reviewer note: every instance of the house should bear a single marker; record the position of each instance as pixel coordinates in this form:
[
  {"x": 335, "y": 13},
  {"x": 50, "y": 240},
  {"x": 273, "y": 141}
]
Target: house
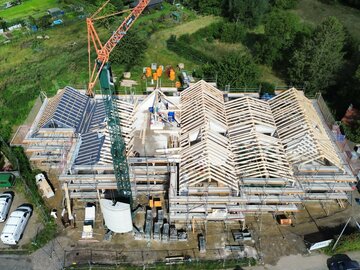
[
  {"x": 55, "y": 12},
  {"x": 151, "y": 5}
]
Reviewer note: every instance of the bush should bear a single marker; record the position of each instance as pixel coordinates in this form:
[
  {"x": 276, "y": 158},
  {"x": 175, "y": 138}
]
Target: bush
[
  {"x": 347, "y": 243},
  {"x": 234, "y": 69},
  {"x": 267, "y": 87},
  {"x": 351, "y": 3},
  {"x": 213, "y": 31},
  {"x": 183, "y": 48},
  {"x": 232, "y": 32},
  {"x": 224, "y": 31},
  {"x": 284, "y": 4},
  {"x": 130, "y": 51}
]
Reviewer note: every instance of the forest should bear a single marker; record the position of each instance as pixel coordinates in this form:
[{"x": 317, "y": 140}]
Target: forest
[{"x": 316, "y": 58}]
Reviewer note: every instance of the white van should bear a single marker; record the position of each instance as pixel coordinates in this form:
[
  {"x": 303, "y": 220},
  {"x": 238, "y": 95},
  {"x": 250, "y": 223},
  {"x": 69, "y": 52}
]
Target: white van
[
  {"x": 5, "y": 203},
  {"x": 15, "y": 225}
]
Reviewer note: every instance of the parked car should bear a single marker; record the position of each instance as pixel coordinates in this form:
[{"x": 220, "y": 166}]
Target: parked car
[
  {"x": 5, "y": 203},
  {"x": 15, "y": 225},
  {"x": 342, "y": 262}
]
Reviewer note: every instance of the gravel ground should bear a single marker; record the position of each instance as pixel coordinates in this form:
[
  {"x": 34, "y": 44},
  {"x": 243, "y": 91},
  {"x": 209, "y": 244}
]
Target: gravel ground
[{"x": 32, "y": 226}]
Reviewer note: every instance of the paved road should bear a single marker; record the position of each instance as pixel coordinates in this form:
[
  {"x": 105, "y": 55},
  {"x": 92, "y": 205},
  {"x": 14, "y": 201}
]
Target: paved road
[
  {"x": 15, "y": 262},
  {"x": 314, "y": 261}
]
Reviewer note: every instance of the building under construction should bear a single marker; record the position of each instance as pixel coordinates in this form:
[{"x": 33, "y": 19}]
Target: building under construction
[{"x": 212, "y": 155}]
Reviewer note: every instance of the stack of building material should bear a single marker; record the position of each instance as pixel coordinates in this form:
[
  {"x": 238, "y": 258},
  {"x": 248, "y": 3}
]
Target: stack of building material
[
  {"x": 148, "y": 224},
  {"x": 240, "y": 247},
  {"x": 242, "y": 236},
  {"x": 173, "y": 234},
  {"x": 160, "y": 216},
  {"x": 182, "y": 235},
  {"x": 137, "y": 234},
  {"x": 157, "y": 233},
  {"x": 202, "y": 244},
  {"x": 165, "y": 232}
]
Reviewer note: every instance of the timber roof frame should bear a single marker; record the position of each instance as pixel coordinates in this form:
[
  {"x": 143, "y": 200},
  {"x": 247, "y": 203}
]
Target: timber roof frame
[{"x": 301, "y": 130}]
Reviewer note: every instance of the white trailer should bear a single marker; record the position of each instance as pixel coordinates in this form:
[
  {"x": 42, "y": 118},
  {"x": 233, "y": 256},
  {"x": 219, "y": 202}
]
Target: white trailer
[{"x": 44, "y": 186}]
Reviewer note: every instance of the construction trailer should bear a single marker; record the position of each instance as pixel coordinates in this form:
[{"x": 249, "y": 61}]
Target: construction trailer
[{"x": 213, "y": 158}]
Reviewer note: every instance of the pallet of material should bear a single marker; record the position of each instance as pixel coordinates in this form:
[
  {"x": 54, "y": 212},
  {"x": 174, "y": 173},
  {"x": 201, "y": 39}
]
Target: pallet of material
[
  {"x": 173, "y": 234},
  {"x": 182, "y": 236},
  {"x": 242, "y": 236},
  {"x": 137, "y": 234},
  {"x": 234, "y": 247},
  {"x": 283, "y": 220}
]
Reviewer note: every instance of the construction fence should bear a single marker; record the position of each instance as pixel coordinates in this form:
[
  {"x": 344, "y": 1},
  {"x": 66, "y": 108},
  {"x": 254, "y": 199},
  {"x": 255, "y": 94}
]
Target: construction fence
[{"x": 153, "y": 259}]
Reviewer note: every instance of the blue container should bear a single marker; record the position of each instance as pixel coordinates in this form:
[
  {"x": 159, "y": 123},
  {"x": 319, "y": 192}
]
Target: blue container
[
  {"x": 151, "y": 109},
  {"x": 171, "y": 116}
]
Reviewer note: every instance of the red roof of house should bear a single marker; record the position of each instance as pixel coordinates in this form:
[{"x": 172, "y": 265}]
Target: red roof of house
[{"x": 351, "y": 115}]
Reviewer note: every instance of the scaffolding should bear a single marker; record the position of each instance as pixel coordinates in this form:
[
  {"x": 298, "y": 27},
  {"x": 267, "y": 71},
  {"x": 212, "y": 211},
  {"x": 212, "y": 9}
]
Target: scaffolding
[{"x": 228, "y": 159}]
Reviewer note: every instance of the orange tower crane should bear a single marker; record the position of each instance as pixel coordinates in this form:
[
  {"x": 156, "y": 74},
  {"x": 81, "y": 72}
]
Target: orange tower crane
[{"x": 101, "y": 68}]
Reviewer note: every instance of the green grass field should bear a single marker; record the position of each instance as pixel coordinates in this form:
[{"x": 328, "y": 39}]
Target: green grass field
[
  {"x": 314, "y": 11},
  {"x": 35, "y": 8},
  {"x": 30, "y": 65}
]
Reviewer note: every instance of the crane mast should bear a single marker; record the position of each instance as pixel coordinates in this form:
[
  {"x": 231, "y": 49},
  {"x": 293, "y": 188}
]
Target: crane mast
[{"x": 101, "y": 70}]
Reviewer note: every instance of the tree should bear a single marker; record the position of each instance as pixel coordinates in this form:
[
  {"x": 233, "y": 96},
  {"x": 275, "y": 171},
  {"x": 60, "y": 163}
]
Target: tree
[
  {"x": 130, "y": 51},
  {"x": 320, "y": 58},
  {"x": 3, "y": 24},
  {"x": 281, "y": 28},
  {"x": 32, "y": 20},
  {"x": 209, "y": 7},
  {"x": 249, "y": 12},
  {"x": 284, "y": 4},
  {"x": 232, "y": 32},
  {"x": 118, "y": 4},
  {"x": 234, "y": 69},
  {"x": 205, "y": 6},
  {"x": 44, "y": 21}
]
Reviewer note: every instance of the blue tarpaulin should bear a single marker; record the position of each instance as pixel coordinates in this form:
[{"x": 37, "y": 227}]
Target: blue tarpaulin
[{"x": 57, "y": 22}]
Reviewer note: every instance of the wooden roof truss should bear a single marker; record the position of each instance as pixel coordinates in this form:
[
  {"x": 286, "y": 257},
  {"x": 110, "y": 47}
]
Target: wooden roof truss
[
  {"x": 258, "y": 151},
  {"x": 302, "y": 131},
  {"x": 206, "y": 155}
]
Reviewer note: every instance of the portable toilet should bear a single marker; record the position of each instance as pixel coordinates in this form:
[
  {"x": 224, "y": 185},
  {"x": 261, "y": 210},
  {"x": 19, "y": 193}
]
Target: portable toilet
[
  {"x": 148, "y": 72},
  {"x": 172, "y": 75},
  {"x": 155, "y": 76}
]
